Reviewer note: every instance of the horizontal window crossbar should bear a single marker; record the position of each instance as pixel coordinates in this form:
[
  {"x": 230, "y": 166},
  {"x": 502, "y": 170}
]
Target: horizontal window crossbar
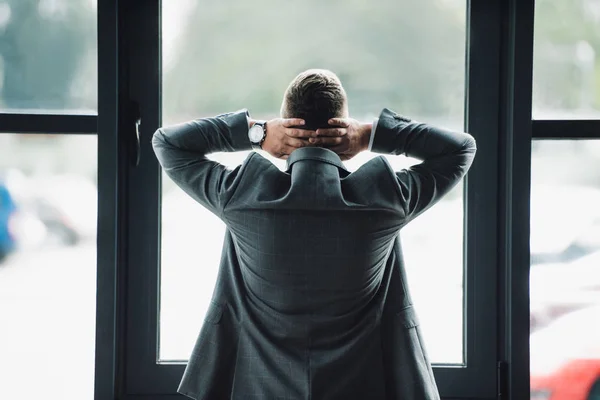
[
  {"x": 566, "y": 129},
  {"x": 48, "y": 123}
]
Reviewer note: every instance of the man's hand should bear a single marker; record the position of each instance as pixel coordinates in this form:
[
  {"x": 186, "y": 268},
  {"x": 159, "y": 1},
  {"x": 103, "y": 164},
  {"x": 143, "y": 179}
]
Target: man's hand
[
  {"x": 282, "y": 138},
  {"x": 354, "y": 139}
]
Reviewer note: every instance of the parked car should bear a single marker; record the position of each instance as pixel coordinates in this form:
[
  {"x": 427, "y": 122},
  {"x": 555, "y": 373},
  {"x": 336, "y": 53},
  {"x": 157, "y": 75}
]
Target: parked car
[
  {"x": 7, "y": 212},
  {"x": 67, "y": 205},
  {"x": 565, "y": 357}
]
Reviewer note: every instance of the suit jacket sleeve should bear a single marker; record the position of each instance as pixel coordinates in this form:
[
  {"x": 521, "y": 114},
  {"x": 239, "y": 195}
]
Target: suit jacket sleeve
[
  {"x": 446, "y": 157},
  {"x": 182, "y": 149}
]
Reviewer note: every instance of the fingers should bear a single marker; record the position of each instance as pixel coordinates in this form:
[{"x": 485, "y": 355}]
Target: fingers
[
  {"x": 300, "y": 133},
  {"x": 305, "y": 134},
  {"x": 292, "y": 122},
  {"x": 343, "y": 122},
  {"x": 326, "y": 141},
  {"x": 295, "y": 143},
  {"x": 332, "y": 131},
  {"x": 289, "y": 145}
]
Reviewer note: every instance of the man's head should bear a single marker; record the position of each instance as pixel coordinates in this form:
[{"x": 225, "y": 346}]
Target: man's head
[{"x": 315, "y": 95}]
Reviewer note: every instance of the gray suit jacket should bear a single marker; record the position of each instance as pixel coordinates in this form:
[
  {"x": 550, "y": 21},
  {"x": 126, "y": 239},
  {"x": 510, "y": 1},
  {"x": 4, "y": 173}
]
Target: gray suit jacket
[{"x": 311, "y": 299}]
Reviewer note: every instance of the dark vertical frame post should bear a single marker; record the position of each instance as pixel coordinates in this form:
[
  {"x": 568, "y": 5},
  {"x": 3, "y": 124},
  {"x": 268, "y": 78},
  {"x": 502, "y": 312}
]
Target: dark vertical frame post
[
  {"x": 145, "y": 376},
  {"x": 107, "y": 337},
  {"x": 515, "y": 186},
  {"x": 478, "y": 378}
]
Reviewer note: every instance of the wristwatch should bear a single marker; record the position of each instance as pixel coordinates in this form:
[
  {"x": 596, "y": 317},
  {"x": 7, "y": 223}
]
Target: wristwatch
[{"x": 257, "y": 134}]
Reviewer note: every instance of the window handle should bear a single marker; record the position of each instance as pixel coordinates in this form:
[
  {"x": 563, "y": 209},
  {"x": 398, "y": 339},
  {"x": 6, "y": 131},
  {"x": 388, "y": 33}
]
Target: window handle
[{"x": 136, "y": 121}]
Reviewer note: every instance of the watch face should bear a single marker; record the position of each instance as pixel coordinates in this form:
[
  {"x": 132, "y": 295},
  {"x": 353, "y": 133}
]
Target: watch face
[{"x": 256, "y": 133}]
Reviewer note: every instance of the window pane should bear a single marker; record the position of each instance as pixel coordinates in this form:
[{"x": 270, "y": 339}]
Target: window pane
[
  {"x": 384, "y": 59},
  {"x": 566, "y": 64},
  {"x": 48, "y": 266},
  {"x": 48, "y": 56},
  {"x": 565, "y": 269}
]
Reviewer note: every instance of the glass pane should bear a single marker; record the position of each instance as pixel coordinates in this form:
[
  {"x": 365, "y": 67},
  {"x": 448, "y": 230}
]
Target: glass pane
[
  {"x": 48, "y": 56},
  {"x": 565, "y": 269},
  {"x": 48, "y": 202},
  {"x": 384, "y": 59},
  {"x": 566, "y": 62}
]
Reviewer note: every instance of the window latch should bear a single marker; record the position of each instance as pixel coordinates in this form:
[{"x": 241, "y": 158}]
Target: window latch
[{"x": 136, "y": 121}]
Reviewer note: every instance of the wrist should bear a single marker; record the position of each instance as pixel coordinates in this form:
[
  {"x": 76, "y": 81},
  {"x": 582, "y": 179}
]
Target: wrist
[{"x": 365, "y": 135}]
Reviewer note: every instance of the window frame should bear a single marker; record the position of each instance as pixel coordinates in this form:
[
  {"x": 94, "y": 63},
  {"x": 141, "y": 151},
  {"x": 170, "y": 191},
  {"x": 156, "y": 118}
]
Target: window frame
[
  {"x": 499, "y": 78},
  {"x": 48, "y": 123},
  {"x": 519, "y": 129},
  {"x": 550, "y": 129},
  {"x": 514, "y": 197},
  {"x": 128, "y": 285}
]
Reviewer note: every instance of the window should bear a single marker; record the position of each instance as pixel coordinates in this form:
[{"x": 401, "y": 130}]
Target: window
[
  {"x": 48, "y": 214},
  {"x": 48, "y": 197},
  {"x": 250, "y": 68},
  {"x": 48, "y": 56},
  {"x": 158, "y": 56},
  {"x": 199, "y": 73},
  {"x": 564, "y": 218},
  {"x": 566, "y": 68},
  {"x": 565, "y": 256}
]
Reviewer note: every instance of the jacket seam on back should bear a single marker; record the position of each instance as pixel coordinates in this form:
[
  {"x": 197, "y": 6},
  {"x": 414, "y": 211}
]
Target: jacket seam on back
[
  {"x": 241, "y": 178},
  {"x": 393, "y": 179}
]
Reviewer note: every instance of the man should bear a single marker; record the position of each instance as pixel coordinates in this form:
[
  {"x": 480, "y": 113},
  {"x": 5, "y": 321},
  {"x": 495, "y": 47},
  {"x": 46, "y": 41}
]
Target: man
[{"x": 311, "y": 299}]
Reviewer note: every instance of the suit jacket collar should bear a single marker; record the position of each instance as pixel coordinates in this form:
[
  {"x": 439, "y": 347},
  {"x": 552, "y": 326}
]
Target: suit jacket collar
[{"x": 315, "y": 153}]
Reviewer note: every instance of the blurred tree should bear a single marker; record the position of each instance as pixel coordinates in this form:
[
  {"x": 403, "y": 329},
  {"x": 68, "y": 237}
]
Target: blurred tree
[{"x": 42, "y": 44}]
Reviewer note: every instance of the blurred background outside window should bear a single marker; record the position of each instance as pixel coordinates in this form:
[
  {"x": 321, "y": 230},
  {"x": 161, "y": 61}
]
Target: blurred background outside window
[
  {"x": 566, "y": 66},
  {"x": 565, "y": 212},
  {"x": 48, "y": 202},
  {"x": 565, "y": 269}
]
